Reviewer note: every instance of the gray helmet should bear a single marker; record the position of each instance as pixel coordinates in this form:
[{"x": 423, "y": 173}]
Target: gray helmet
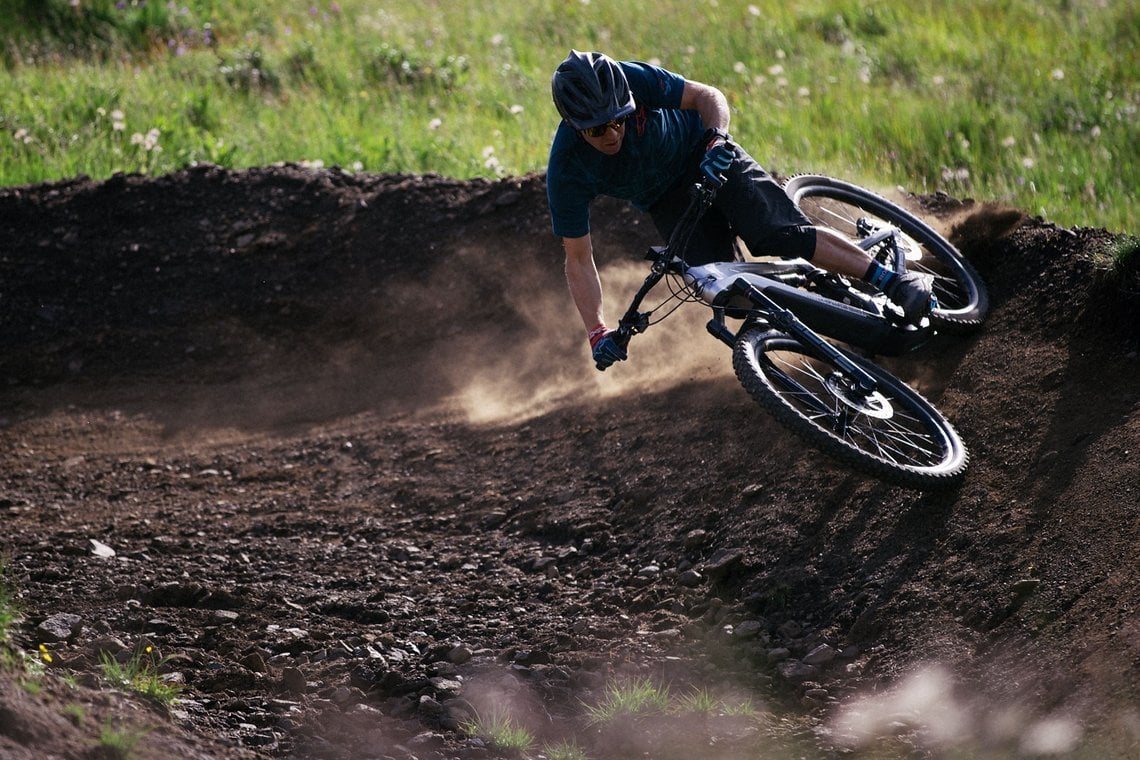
[{"x": 590, "y": 89}]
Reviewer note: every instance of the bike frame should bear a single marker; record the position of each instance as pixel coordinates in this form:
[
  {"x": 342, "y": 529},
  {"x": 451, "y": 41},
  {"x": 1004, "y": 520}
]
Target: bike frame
[{"x": 771, "y": 293}]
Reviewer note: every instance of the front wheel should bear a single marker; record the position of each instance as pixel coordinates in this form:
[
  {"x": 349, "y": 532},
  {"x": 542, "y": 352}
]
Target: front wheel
[
  {"x": 854, "y": 213},
  {"x": 893, "y": 432}
]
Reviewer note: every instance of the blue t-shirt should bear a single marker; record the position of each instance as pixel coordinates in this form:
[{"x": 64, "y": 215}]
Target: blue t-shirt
[{"x": 659, "y": 139}]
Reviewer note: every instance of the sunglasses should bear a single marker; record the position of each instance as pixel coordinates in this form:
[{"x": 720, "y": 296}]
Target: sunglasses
[{"x": 614, "y": 124}]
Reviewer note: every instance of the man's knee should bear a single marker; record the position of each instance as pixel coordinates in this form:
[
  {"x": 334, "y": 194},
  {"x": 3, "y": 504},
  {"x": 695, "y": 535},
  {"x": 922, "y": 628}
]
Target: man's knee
[{"x": 794, "y": 242}]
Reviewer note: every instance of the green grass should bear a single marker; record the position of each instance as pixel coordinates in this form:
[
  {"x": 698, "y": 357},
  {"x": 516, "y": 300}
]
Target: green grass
[
  {"x": 141, "y": 675},
  {"x": 117, "y": 743},
  {"x": 1029, "y": 102},
  {"x": 8, "y": 612},
  {"x": 623, "y": 700},
  {"x": 500, "y": 732}
]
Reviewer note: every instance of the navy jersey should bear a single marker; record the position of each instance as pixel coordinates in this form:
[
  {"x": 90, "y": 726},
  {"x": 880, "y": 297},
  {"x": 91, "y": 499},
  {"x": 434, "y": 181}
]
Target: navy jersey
[{"x": 658, "y": 144}]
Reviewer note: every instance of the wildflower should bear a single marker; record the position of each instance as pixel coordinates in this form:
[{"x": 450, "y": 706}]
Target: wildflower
[
  {"x": 357, "y": 166},
  {"x": 516, "y": 109},
  {"x": 491, "y": 161},
  {"x": 1009, "y": 142},
  {"x": 435, "y": 124},
  {"x": 739, "y": 67},
  {"x": 497, "y": 40},
  {"x": 45, "y": 655},
  {"x": 803, "y": 92},
  {"x": 776, "y": 70},
  {"x": 1028, "y": 162},
  {"x": 1058, "y": 75},
  {"x": 753, "y": 10}
]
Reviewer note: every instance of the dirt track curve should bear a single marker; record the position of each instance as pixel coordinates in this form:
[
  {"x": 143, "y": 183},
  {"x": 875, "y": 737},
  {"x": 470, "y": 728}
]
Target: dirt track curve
[{"x": 331, "y": 446}]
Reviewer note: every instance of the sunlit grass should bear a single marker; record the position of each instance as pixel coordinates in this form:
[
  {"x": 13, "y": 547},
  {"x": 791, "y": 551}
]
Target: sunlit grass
[
  {"x": 500, "y": 731},
  {"x": 1026, "y": 102},
  {"x": 140, "y": 674},
  {"x": 623, "y": 700}
]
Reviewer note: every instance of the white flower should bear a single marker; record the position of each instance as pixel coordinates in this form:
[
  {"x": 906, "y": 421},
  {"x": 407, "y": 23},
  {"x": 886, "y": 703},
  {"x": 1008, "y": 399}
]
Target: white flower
[
  {"x": 1058, "y": 74},
  {"x": 1009, "y": 142},
  {"x": 803, "y": 92},
  {"x": 753, "y": 10},
  {"x": 1028, "y": 162},
  {"x": 776, "y": 70},
  {"x": 516, "y": 109},
  {"x": 435, "y": 123},
  {"x": 739, "y": 67},
  {"x": 151, "y": 139},
  {"x": 497, "y": 40}
]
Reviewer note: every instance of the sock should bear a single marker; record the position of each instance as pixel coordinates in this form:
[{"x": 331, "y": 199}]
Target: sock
[{"x": 879, "y": 276}]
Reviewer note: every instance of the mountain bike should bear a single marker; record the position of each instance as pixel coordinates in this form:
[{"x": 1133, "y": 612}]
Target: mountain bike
[{"x": 796, "y": 331}]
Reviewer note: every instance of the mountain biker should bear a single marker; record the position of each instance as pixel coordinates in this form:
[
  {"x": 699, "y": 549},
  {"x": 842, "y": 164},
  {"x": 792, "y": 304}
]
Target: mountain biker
[{"x": 638, "y": 132}]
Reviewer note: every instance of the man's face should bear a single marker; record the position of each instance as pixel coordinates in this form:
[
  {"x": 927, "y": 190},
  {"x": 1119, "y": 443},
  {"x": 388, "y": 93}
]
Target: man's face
[{"x": 610, "y": 138}]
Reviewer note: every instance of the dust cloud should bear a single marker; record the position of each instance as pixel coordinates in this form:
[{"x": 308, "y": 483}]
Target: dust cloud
[{"x": 547, "y": 366}]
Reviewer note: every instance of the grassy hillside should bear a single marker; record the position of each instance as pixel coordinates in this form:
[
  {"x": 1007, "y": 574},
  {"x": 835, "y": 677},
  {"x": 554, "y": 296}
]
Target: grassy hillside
[{"x": 1034, "y": 103}]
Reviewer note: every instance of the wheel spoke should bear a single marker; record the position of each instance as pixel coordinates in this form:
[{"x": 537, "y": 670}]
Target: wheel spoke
[{"x": 886, "y": 427}]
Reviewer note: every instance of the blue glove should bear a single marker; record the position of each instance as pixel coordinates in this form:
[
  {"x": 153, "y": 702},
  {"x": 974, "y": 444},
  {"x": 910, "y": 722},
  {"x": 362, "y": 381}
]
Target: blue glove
[
  {"x": 604, "y": 348},
  {"x": 719, "y": 155}
]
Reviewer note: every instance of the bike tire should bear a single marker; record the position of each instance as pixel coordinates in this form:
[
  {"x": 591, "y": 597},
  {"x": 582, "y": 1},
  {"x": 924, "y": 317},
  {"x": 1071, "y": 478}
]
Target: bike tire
[
  {"x": 894, "y": 434},
  {"x": 963, "y": 301}
]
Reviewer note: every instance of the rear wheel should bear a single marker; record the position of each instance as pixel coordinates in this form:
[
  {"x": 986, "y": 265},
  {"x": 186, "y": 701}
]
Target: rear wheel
[
  {"x": 893, "y": 433},
  {"x": 854, "y": 213}
]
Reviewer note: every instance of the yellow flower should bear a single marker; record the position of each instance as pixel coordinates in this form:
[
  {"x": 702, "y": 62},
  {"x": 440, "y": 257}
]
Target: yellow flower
[{"x": 45, "y": 655}]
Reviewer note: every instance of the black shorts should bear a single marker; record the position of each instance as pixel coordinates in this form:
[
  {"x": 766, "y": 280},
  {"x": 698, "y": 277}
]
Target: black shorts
[{"x": 751, "y": 206}]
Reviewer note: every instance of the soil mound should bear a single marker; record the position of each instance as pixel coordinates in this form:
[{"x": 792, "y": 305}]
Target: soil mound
[{"x": 325, "y": 450}]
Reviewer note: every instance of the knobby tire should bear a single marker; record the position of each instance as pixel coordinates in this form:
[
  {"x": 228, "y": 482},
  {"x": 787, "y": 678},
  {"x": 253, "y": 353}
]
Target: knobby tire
[
  {"x": 899, "y": 437},
  {"x": 836, "y": 205}
]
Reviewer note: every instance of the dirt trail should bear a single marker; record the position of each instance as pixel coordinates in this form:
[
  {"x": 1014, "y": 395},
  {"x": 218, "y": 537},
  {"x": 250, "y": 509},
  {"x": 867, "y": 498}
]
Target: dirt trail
[{"x": 360, "y": 490}]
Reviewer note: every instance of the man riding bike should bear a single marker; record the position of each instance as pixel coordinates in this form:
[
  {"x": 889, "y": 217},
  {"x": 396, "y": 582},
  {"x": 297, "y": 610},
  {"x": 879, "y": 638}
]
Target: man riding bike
[{"x": 638, "y": 132}]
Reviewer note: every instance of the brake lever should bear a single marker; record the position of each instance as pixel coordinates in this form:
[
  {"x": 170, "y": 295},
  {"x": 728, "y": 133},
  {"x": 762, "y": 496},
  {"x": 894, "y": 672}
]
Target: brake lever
[{"x": 627, "y": 328}]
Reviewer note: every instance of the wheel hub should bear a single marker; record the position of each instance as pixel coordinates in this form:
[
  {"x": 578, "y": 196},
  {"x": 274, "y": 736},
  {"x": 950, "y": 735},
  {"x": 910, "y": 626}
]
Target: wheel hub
[{"x": 873, "y": 404}]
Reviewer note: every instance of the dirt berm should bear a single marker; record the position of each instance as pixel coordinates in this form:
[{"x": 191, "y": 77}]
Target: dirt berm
[{"x": 330, "y": 447}]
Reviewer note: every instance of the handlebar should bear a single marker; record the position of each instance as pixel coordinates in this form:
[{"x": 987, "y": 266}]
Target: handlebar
[{"x": 635, "y": 321}]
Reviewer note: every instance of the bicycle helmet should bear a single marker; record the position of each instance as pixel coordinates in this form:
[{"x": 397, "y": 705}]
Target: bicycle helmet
[{"x": 590, "y": 89}]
